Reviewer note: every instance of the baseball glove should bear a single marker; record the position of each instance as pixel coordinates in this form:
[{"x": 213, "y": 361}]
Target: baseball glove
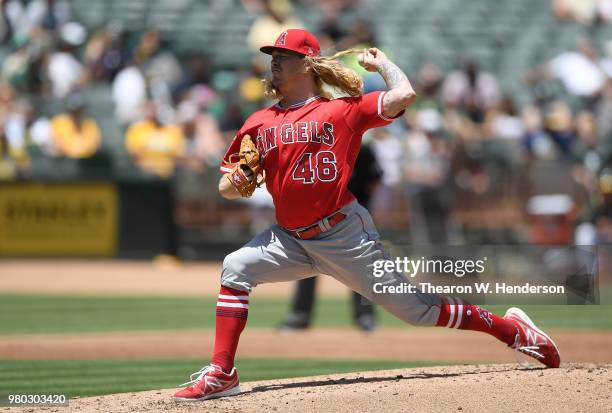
[{"x": 245, "y": 172}]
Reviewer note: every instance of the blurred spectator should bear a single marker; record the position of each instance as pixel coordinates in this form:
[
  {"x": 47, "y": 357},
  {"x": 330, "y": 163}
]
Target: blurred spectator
[
  {"x": 106, "y": 52},
  {"x": 6, "y": 29},
  {"x": 129, "y": 91},
  {"x": 468, "y": 169},
  {"x": 579, "y": 71},
  {"x": 42, "y": 136},
  {"x": 428, "y": 84},
  {"x": 94, "y": 50},
  {"x": 160, "y": 67},
  {"x": 195, "y": 177},
  {"x": 16, "y": 66},
  {"x": 559, "y": 125},
  {"x": 252, "y": 90},
  {"x": 251, "y": 87},
  {"x": 549, "y": 136},
  {"x": 204, "y": 144},
  {"x": 23, "y": 67},
  {"x": 198, "y": 71},
  {"x": 75, "y": 135},
  {"x": 586, "y": 12},
  {"x": 23, "y": 17},
  {"x": 8, "y": 167},
  {"x": 606, "y": 61},
  {"x": 586, "y": 151},
  {"x": 426, "y": 169},
  {"x": 458, "y": 125},
  {"x": 472, "y": 90},
  {"x": 15, "y": 139},
  {"x": 604, "y": 10},
  {"x": 556, "y": 182},
  {"x": 40, "y": 44},
  {"x": 389, "y": 156},
  {"x": 277, "y": 17},
  {"x": 64, "y": 69},
  {"x": 503, "y": 121},
  {"x": 154, "y": 147},
  {"x": 16, "y": 126},
  {"x": 7, "y": 94},
  {"x": 56, "y": 14},
  {"x": 582, "y": 11},
  {"x": 538, "y": 144},
  {"x": 603, "y": 115}
]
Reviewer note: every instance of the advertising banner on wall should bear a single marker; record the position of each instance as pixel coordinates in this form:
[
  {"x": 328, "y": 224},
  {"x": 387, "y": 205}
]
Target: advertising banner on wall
[{"x": 58, "y": 219}]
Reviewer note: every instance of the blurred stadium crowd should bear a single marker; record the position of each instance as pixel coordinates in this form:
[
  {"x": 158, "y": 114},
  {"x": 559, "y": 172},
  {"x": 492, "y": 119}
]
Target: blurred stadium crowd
[{"x": 502, "y": 146}]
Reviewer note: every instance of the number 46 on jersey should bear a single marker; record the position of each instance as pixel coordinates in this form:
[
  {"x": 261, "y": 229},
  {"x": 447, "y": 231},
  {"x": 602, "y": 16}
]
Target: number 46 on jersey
[{"x": 318, "y": 166}]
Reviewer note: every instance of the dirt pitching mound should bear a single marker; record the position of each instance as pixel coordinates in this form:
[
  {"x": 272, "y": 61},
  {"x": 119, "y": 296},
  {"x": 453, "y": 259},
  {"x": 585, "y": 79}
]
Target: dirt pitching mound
[{"x": 502, "y": 388}]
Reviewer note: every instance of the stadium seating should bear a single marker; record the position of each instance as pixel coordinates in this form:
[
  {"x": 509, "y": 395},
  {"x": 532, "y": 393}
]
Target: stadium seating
[{"x": 507, "y": 38}]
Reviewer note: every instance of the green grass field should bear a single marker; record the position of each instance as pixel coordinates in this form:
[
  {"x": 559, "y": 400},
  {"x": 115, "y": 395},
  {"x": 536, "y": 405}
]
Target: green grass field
[
  {"x": 94, "y": 377},
  {"x": 30, "y": 314},
  {"x": 33, "y": 314}
]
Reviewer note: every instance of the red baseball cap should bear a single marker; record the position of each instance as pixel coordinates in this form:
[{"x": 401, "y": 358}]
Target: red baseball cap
[{"x": 295, "y": 40}]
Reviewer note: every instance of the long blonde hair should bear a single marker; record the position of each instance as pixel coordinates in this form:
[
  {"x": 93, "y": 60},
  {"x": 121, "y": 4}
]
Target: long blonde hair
[{"x": 328, "y": 73}]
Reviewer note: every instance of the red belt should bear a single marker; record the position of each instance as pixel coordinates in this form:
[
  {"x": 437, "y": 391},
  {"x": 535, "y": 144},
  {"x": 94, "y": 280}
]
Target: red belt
[{"x": 318, "y": 227}]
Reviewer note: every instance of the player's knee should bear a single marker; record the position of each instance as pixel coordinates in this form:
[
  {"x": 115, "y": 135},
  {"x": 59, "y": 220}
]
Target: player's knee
[
  {"x": 232, "y": 264},
  {"x": 233, "y": 273}
]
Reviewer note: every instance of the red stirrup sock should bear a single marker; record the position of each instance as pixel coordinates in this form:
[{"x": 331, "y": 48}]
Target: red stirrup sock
[
  {"x": 232, "y": 312},
  {"x": 457, "y": 313}
]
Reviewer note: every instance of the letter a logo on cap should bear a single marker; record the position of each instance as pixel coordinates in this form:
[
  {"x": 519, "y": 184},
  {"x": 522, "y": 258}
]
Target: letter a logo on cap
[
  {"x": 281, "y": 39},
  {"x": 296, "y": 40}
]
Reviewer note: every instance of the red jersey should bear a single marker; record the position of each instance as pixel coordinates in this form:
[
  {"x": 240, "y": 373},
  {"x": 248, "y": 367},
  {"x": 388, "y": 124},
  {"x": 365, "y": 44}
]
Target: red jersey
[{"x": 309, "y": 151}]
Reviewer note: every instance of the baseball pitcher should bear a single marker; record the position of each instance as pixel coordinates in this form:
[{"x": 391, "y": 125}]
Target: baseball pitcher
[{"x": 305, "y": 147}]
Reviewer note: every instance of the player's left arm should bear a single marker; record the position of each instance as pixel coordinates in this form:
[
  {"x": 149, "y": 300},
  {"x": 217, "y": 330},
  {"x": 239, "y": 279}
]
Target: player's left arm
[{"x": 400, "y": 94}]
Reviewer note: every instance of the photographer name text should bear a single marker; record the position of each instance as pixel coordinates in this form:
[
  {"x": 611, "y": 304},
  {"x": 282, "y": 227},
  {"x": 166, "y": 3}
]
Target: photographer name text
[{"x": 478, "y": 288}]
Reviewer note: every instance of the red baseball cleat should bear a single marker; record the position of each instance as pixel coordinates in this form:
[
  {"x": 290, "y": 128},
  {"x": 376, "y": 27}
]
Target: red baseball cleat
[
  {"x": 211, "y": 382},
  {"x": 532, "y": 341}
]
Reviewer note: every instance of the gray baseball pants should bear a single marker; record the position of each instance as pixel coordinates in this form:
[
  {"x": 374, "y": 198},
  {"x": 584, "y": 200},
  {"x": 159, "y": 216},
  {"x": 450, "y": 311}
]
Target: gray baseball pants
[{"x": 347, "y": 252}]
